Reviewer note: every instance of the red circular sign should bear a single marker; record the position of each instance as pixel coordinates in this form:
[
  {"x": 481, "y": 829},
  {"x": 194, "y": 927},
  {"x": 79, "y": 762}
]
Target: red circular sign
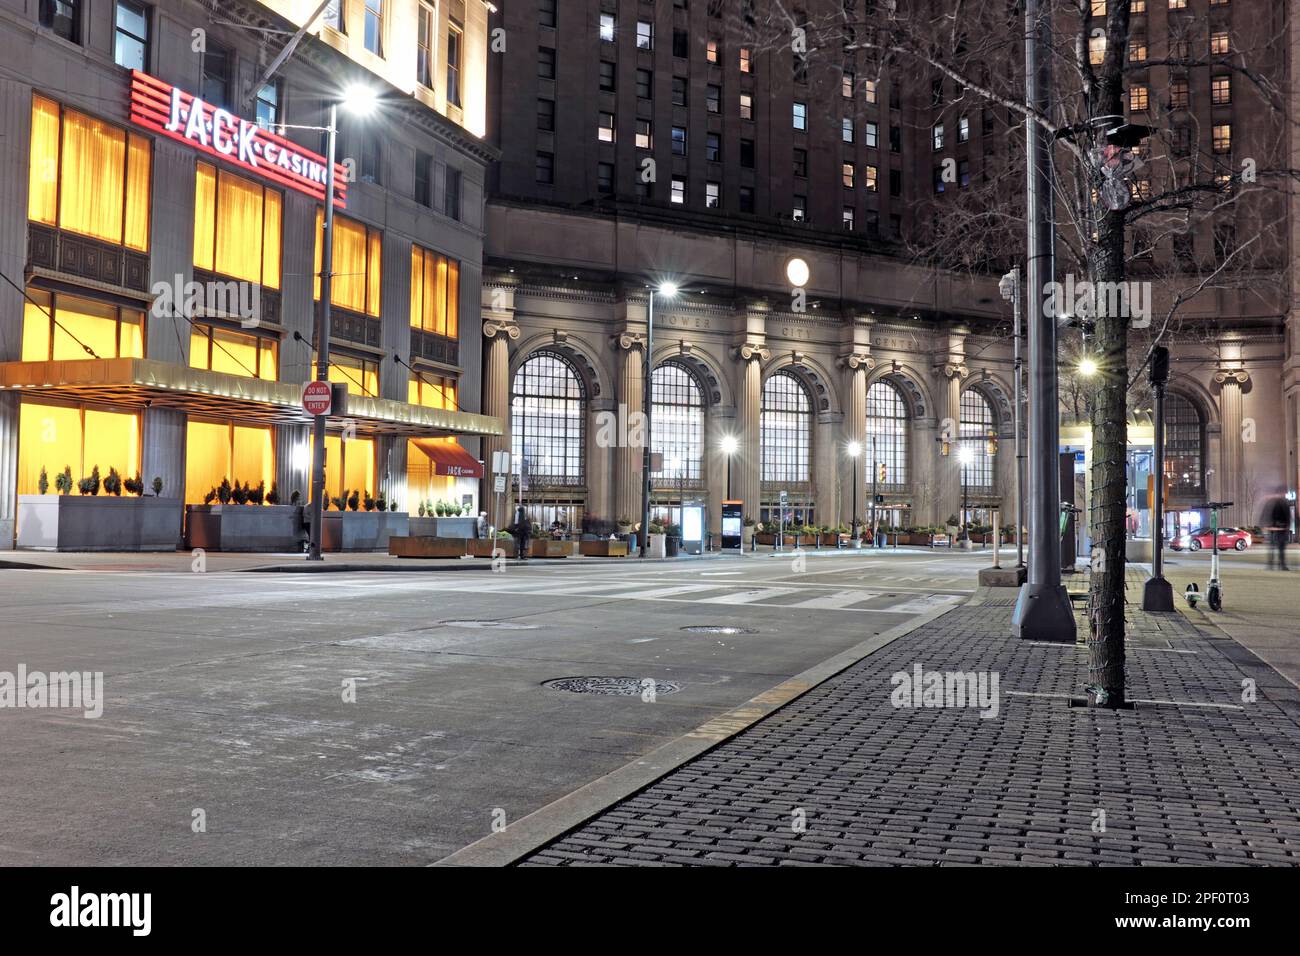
[{"x": 316, "y": 397}]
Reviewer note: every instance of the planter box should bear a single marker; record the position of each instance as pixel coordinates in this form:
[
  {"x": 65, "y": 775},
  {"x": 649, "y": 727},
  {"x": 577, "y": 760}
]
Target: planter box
[
  {"x": 436, "y": 527},
  {"x": 546, "y": 548},
  {"x": 603, "y": 549},
  {"x": 411, "y": 546},
  {"x": 98, "y": 523},
  {"x": 830, "y": 539},
  {"x": 244, "y": 527},
  {"x": 764, "y": 538},
  {"x": 657, "y": 546},
  {"x": 362, "y": 530}
]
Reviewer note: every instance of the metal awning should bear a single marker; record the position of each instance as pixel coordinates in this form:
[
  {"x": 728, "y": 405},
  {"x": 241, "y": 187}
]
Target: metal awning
[
  {"x": 141, "y": 383},
  {"x": 450, "y": 460}
]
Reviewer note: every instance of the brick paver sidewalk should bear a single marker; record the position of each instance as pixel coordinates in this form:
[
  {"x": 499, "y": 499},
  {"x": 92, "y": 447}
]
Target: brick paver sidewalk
[{"x": 875, "y": 784}]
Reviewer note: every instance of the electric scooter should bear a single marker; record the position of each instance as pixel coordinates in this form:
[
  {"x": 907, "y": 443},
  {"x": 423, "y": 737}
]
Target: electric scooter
[{"x": 1214, "y": 587}]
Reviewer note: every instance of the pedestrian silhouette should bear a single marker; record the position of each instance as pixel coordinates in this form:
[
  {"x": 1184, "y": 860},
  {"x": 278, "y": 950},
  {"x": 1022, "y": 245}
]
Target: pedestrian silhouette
[{"x": 1276, "y": 520}]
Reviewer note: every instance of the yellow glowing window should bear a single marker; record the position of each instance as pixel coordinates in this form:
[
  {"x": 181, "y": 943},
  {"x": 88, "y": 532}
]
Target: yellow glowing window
[
  {"x": 435, "y": 293},
  {"x": 349, "y": 465},
  {"x": 358, "y": 257},
  {"x": 58, "y": 326},
  {"x": 224, "y": 451},
  {"x": 88, "y": 176},
  {"x": 236, "y": 227},
  {"x": 55, "y": 437},
  {"x": 1096, "y": 50},
  {"x": 431, "y": 391},
  {"x": 360, "y": 375},
  {"x": 237, "y": 353}
]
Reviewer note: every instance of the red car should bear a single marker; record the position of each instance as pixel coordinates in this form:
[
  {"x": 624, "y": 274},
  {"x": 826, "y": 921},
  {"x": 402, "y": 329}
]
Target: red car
[{"x": 1233, "y": 538}]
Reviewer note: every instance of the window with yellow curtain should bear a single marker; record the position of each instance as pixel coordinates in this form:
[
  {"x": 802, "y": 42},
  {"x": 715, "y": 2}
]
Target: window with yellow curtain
[
  {"x": 358, "y": 257},
  {"x": 349, "y": 465},
  {"x": 431, "y": 391},
  {"x": 236, "y": 226},
  {"x": 224, "y": 451},
  {"x": 78, "y": 437},
  {"x": 435, "y": 293},
  {"x": 237, "y": 353},
  {"x": 88, "y": 176},
  {"x": 59, "y": 326},
  {"x": 360, "y": 375}
]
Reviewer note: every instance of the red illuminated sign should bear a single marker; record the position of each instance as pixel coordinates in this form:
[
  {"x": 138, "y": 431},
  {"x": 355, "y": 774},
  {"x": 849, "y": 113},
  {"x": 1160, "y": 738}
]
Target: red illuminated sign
[{"x": 172, "y": 112}]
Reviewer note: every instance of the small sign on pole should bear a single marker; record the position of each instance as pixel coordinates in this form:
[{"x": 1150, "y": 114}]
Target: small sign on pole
[
  {"x": 317, "y": 397},
  {"x": 499, "y": 484}
]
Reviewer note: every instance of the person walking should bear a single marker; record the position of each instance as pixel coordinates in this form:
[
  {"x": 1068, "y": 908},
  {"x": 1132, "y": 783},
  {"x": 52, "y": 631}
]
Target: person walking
[
  {"x": 1277, "y": 521},
  {"x": 522, "y": 529}
]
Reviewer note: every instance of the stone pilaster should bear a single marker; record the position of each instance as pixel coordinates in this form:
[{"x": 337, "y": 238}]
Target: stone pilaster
[
  {"x": 720, "y": 424},
  {"x": 746, "y": 468},
  {"x": 631, "y": 434},
  {"x": 855, "y": 366},
  {"x": 948, "y": 467},
  {"x": 827, "y": 465},
  {"x": 500, "y": 330},
  {"x": 1231, "y": 486}
]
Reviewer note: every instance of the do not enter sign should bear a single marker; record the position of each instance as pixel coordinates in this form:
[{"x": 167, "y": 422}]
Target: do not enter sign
[{"x": 316, "y": 397}]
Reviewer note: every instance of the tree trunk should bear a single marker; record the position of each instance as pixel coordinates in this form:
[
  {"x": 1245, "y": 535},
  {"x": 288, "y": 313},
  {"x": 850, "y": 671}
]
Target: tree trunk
[{"x": 1110, "y": 410}]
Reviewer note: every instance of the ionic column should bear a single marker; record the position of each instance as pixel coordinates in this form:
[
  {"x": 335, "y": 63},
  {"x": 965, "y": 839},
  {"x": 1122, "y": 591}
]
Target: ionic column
[
  {"x": 746, "y": 468},
  {"x": 948, "y": 467},
  {"x": 923, "y": 457},
  {"x": 500, "y": 331},
  {"x": 828, "y": 467},
  {"x": 1231, "y": 488},
  {"x": 631, "y": 427},
  {"x": 856, "y": 365}
]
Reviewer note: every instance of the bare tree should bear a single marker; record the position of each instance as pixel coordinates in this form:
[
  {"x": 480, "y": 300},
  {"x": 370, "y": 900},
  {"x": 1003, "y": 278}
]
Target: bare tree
[{"x": 1126, "y": 194}]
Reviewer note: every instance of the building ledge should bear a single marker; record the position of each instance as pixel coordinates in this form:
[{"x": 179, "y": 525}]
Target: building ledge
[{"x": 144, "y": 383}]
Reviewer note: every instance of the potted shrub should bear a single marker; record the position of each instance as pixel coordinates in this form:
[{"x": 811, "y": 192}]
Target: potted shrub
[
  {"x": 63, "y": 481},
  {"x": 625, "y": 526},
  {"x": 766, "y": 533}
]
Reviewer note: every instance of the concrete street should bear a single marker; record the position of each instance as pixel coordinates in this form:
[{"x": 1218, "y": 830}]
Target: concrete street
[{"x": 225, "y": 692}]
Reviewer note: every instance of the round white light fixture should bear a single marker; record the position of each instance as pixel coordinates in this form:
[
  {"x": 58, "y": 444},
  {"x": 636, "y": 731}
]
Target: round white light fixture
[
  {"x": 1088, "y": 366},
  {"x": 854, "y": 449},
  {"x": 667, "y": 290},
  {"x": 360, "y": 100},
  {"x": 796, "y": 270},
  {"x": 966, "y": 455},
  {"x": 729, "y": 445}
]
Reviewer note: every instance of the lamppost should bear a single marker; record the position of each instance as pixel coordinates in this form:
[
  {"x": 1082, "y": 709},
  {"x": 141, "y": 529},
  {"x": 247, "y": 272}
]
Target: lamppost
[
  {"x": 1009, "y": 286},
  {"x": 965, "y": 456},
  {"x": 1043, "y": 610},
  {"x": 854, "y": 448},
  {"x": 669, "y": 291},
  {"x": 360, "y": 101},
  {"x": 729, "y": 446}
]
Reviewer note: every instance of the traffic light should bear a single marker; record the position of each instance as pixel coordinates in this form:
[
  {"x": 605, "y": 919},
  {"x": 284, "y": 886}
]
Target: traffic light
[
  {"x": 991, "y": 443},
  {"x": 881, "y": 472}
]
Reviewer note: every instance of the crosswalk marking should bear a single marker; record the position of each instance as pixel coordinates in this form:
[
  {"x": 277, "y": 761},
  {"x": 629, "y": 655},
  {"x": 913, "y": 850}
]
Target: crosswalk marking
[
  {"x": 839, "y": 599},
  {"x": 747, "y": 597}
]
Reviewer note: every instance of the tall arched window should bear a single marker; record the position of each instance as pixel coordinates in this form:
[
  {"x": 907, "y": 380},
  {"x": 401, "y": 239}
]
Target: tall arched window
[
  {"x": 887, "y": 422},
  {"x": 976, "y": 424},
  {"x": 547, "y": 420},
  {"x": 785, "y": 429},
  {"x": 1184, "y": 445},
  {"x": 677, "y": 425}
]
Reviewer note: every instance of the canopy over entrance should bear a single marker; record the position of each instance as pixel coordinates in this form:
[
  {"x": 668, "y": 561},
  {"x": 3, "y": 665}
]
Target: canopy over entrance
[{"x": 450, "y": 460}]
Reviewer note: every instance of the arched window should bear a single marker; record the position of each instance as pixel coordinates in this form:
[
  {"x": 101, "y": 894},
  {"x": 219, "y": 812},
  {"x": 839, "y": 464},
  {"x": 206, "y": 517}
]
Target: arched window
[
  {"x": 677, "y": 424},
  {"x": 887, "y": 421},
  {"x": 1184, "y": 445},
  {"x": 547, "y": 420},
  {"x": 785, "y": 429},
  {"x": 977, "y": 423}
]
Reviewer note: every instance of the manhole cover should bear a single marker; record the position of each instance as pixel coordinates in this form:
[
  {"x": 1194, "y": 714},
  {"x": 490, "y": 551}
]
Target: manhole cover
[
  {"x": 498, "y": 625},
  {"x": 611, "y": 686},
  {"x": 717, "y": 629}
]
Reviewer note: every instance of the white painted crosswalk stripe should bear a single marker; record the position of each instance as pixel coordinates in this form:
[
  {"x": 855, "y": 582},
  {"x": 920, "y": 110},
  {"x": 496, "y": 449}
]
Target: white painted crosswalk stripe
[
  {"x": 747, "y": 597},
  {"x": 838, "y": 599}
]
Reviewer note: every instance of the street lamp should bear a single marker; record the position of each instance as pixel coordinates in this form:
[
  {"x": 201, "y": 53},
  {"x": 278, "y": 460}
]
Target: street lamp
[
  {"x": 966, "y": 455},
  {"x": 854, "y": 448},
  {"x": 1087, "y": 367},
  {"x": 729, "y": 446},
  {"x": 797, "y": 271},
  {"x": 668, "y": 290},
  {"x": 360, "y": 101}
]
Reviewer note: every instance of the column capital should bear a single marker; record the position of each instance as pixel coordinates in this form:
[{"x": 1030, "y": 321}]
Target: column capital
[
  {"x": 629, "y": 341},
  {"x": 1225, "y": 375},
  {"x": 500, "y": 325},
  {"x": 748, "y": 351},
  {"x": 856, "y": 360},
  {"x": 951, "y": 370}
]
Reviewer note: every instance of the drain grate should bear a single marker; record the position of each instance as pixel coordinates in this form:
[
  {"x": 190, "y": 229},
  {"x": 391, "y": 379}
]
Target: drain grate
[
  {"x": 717, "y": 629},
  {"x": 498, "y": 625},
  {"x": 611, "y": 686}
]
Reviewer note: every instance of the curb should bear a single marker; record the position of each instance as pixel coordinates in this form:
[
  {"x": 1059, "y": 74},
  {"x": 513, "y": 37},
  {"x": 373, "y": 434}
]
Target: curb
[{"x": 549, "y": 823}]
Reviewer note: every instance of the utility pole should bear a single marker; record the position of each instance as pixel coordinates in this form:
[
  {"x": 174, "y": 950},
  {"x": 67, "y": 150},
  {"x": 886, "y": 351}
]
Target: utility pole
[
  {"x": 1043, "y": 611},
  {"x": 1157, "y": 593}
]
